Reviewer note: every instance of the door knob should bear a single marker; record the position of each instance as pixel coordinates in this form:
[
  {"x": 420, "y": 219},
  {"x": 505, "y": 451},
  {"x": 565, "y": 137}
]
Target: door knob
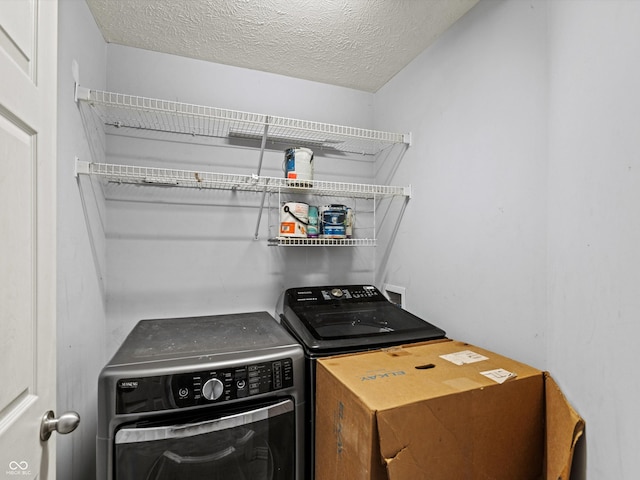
[{"x": 65, "y": 423}]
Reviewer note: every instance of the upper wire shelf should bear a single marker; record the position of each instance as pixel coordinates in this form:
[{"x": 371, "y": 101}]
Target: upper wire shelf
[{"x": 154, "y": 115}]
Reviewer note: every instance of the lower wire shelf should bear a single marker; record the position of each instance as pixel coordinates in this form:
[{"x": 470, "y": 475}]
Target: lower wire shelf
[
  {"x": 321, "y": 242},
  {"x": 154, "y": 176}
]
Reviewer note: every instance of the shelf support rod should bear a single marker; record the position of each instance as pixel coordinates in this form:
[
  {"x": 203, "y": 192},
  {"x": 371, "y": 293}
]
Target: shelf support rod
[
  {"x": 262, "y": 147},
  {"x": 375, "y": 233},
  {"x": 264, "y": 195}
]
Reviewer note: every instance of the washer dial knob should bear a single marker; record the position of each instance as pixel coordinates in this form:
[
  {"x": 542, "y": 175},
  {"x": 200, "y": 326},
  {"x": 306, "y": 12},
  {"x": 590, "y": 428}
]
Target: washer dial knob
[
  {"x": 212, "y": 389},
  {"x": 336, "y": 292}
]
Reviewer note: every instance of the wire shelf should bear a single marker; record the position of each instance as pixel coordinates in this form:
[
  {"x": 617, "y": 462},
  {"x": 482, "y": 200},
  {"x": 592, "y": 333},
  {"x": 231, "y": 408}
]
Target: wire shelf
[
  {"x": 155, "y": 115},
  {"x": 106, "y": 112},
  {"x": 223, "y": 181},
  {"x": 321, "y": 242}
]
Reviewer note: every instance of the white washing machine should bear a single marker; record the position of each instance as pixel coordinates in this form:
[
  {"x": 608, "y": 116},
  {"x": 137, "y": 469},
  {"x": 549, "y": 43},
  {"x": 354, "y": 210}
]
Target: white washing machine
[{"x": 213, "y": 397}]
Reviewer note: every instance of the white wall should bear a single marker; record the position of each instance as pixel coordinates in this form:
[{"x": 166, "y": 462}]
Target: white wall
[
  {"x": 177, "y": 252},
  {"x": 523, "y": 231},
  {"x": 81, "y": 252},
  {"x": 471, "y": 246},
  {"x": 594, "y": 224}
]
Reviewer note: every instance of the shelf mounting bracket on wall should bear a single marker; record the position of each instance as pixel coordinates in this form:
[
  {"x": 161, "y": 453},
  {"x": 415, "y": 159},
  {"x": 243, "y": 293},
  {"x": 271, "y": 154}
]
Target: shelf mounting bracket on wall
[{"x": 81, "y": 93}]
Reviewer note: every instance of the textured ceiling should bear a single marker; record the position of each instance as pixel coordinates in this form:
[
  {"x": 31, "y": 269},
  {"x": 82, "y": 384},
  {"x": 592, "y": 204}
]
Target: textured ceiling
[{"x": 358, "y": 44}]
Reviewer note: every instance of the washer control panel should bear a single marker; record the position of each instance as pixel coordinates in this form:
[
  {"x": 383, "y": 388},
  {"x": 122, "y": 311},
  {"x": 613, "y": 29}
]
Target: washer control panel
[
  {"x": 203, "y": 387},
  {"x": 333, "y": 294}
]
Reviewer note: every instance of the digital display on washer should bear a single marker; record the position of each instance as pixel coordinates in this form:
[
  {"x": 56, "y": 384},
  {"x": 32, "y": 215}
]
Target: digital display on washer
[{"x": 146, "y": 394}]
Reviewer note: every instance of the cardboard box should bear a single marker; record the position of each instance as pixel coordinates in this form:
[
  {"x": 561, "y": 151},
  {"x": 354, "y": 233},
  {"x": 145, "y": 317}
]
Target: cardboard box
[{"x": 438, "y": 411}]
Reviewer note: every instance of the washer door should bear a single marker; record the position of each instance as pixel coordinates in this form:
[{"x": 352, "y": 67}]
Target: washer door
[{"x": 256, "y": 444}]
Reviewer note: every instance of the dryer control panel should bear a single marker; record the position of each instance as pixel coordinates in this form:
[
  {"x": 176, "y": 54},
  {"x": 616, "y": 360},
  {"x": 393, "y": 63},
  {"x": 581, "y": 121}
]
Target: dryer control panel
[
  {"x": 203, "y": 387},
  {"x": 190, "y": 389}
]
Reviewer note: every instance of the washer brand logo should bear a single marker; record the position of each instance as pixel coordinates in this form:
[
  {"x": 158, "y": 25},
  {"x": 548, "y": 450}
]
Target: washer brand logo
[
  {"x": 377, "y": 375},
  {"x": 128, "y": 384}
]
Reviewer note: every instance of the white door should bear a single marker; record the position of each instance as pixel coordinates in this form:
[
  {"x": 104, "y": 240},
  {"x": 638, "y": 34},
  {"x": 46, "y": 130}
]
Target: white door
[{"x": 28, "y": 56}]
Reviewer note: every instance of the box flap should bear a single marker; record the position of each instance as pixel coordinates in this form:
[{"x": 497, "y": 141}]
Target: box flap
[
  {"x": 491, "y": 432},
  {"x": 564, "y": 428}
]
